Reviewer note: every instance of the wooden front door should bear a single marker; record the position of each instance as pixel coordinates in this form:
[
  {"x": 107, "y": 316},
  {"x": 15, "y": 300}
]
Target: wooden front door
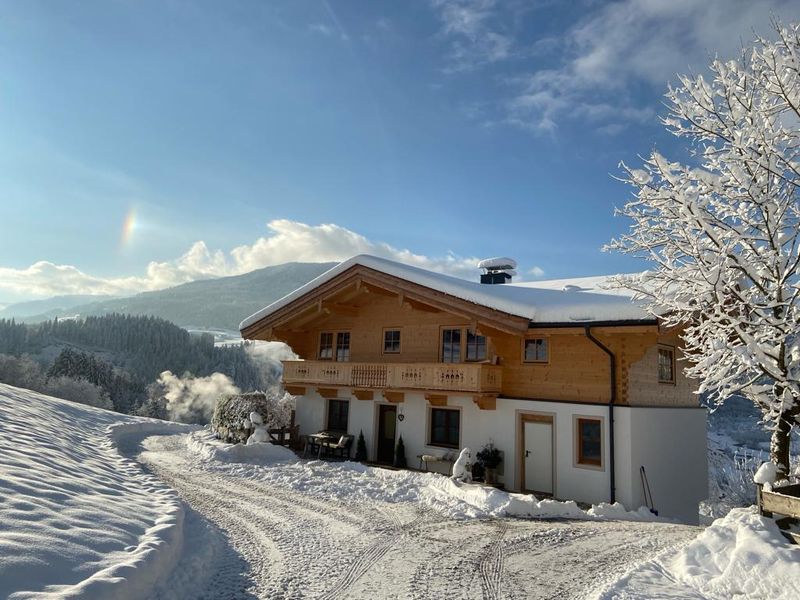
[
  {"x": 387, "y": 425},
  {"x": 537, "y": 454}
]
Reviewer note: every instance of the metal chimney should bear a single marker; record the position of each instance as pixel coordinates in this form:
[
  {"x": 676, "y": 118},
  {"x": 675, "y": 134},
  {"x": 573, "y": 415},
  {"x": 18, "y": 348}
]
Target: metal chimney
[{"x": 497, "y": 270}]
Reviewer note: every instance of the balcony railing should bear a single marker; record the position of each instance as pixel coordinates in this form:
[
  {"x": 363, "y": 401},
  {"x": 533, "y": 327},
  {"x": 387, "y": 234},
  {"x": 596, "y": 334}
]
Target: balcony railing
[{"x": 462, "y": 377}]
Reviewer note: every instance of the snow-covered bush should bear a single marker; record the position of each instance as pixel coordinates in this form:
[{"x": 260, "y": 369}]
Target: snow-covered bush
[
  {"x": 231, "y": 420},
  {"x": 77, "y": 390}
]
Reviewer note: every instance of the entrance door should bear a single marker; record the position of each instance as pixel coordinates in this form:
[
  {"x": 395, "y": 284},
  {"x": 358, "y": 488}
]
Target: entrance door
[
  {"x": 538, "y": 455},
  {"x": 387, "y": 424}
]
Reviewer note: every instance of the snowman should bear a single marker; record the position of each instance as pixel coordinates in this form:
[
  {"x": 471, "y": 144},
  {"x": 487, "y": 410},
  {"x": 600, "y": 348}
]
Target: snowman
[
  {"x": 259, "y": 434},
  {"x": 460, "y": 467}
]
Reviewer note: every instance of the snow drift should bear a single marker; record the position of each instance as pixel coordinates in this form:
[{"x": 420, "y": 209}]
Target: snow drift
[
  {"x": 78, "y": 519},
  {"x": 742, "y": 555}
]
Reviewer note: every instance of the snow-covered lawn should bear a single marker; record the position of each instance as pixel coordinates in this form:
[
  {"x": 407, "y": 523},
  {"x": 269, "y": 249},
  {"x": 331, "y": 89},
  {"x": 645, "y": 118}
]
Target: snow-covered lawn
[{"x": 95, "y": 504}]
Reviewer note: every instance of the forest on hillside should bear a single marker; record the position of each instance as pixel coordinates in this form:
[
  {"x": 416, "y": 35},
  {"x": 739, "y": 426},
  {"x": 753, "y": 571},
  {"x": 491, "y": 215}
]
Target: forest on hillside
[{"x": 113, "y": 360}]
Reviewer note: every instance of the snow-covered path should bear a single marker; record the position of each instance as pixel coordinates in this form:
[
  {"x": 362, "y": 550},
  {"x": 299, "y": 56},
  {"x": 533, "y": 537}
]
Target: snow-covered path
[{"x": 276, "y": 542}]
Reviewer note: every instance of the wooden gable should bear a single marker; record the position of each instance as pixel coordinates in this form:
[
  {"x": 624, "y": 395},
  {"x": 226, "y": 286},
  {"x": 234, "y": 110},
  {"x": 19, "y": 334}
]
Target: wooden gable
[{"x": 348, "y": 291}]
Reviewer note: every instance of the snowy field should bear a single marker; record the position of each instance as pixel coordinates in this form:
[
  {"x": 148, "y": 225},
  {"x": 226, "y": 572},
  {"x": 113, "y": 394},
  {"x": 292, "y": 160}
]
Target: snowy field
[{"x": 95, "y": 504}]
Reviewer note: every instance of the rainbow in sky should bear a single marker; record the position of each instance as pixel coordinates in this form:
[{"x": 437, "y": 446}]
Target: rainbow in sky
[{"x": 128, "y": 225}]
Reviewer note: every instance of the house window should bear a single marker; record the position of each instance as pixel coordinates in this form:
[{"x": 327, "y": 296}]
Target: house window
[
  {"x": 451, "y": 345},
  {"x": 338, "y": 411},
  {"x": 476, "y": 346},
  {"x": 589, "y": 441},
  {"x": 666, "y": 365},
  {"x": 343, "y": 346},
  {"x": 445, "y": 427},
  {"x": 536, "y": 350},
  {"x": 391, "y": 341},
  {"x": 325, "y": 346}
]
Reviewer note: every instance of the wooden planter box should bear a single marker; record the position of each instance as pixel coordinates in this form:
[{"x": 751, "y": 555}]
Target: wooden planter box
[{"x": 783, "y": 501}]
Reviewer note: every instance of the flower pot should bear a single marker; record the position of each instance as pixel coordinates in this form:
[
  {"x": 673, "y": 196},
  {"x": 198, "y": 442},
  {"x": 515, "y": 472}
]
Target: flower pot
[{"x": 490, "y": 476}]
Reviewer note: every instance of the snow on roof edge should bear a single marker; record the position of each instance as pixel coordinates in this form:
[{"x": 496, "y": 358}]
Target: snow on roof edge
[{"x": 533, "y": 303}]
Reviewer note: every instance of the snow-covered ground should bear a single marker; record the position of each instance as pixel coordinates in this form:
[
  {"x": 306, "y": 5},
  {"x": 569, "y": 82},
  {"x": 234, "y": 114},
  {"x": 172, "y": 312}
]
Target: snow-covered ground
[
  {"x": 326, "y": 530},
  {"x": 742, "y": 555},
  {"x": 76, "y": 518},
  {"x": 95, "y": 504}
]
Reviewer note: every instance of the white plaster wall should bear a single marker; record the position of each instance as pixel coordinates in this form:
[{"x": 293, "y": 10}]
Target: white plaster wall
[
  {"x": 571, "y": 481},
  {"x": 310, "y": 412},
  {"x": 362, "y": 418},
  {"x": 671, "y": 444},
  {"x": 500, "y": 426}
]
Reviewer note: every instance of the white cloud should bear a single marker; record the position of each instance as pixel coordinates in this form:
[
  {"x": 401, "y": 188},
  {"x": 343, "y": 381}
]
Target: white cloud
[
  {"x": 286, "y": 241},
  {"x": 476, "y": 35},
  {"x": 627, "y": 44},
  {"x": 536, "y": 272}
]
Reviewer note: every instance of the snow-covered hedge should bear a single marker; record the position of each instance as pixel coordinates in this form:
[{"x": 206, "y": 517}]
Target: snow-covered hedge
[{"x": 231, "y": 420}]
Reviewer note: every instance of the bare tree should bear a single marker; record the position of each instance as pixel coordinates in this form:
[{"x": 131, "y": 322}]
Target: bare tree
[{"x": 722, "y": 231}]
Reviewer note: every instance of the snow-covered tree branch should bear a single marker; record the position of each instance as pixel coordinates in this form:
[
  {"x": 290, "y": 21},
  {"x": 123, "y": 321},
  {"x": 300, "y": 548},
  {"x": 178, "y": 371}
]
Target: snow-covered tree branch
[{"x": 722, "y": 231}]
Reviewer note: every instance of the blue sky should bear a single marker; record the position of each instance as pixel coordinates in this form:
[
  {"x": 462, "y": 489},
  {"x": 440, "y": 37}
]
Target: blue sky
[{"x": 237, "y": 135}]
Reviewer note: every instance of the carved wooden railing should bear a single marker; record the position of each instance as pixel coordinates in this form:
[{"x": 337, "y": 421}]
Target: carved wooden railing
[{"x": 462, "y": 377}]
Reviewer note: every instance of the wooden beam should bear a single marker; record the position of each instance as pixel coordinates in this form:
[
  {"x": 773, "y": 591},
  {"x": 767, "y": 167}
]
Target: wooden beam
[
  {"x": 381, "y": 291},
  {"x": 363, "y": 394},
  {"x": 436, "y": 399},
  {"x": 394, "y": 397},
  {"x": 295, "y": 390},
  {"x": 328, "y": 392},
  {"x": 421, "y": 306},
  {"x": 485, "y": 402},
  {"x": 341, "y": 309}
]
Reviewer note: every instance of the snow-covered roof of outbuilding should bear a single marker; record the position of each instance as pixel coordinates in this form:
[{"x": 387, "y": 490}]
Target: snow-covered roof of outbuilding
[{"x": 537, "y": 301}]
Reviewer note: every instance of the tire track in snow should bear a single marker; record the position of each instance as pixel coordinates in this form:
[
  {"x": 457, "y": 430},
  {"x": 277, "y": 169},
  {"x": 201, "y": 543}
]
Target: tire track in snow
[
  {"x": 491, "y": 565},
  {"x": 377, "y": 550}
]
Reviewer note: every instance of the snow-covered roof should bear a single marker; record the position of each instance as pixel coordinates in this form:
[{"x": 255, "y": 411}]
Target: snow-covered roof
[{"x": 538, "y": 301}]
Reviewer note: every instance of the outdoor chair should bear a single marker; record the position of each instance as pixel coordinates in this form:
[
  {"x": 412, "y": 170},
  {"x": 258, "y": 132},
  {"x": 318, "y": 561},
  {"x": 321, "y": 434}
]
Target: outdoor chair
[{"x": 342, "y": 447}]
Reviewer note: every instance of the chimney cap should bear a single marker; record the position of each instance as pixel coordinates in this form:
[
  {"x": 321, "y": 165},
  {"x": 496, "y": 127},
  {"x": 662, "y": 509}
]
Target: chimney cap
[{"x": 498, "y": 263}]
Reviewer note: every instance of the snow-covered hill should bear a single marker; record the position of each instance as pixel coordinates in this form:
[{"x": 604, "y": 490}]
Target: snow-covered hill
[{"x": 76, "y": 518}]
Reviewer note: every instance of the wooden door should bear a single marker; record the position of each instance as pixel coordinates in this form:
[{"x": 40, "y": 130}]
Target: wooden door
[
  {"x": 538, "y": 456},
  {"x": 387, "y": 425}
]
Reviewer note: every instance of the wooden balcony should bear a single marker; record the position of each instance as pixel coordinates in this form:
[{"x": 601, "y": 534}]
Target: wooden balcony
[{"x": 472, "y": 378}]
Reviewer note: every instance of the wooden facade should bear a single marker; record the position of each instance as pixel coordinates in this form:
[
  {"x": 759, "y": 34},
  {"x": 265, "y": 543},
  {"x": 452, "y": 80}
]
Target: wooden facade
[{"x": 366, "y": 303}]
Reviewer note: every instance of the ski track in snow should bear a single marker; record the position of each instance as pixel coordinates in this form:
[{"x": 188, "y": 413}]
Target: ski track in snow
[{"x": 274, "y": 542}]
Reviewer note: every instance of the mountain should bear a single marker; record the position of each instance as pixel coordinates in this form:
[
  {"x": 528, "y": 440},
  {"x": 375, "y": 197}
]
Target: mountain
[
  {"x": 56, "y": 304},
  {"x": 219, "y": 303}
]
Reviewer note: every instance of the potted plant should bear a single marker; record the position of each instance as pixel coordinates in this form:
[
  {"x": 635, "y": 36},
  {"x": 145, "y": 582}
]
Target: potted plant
[{"x": 489, "y": 457}]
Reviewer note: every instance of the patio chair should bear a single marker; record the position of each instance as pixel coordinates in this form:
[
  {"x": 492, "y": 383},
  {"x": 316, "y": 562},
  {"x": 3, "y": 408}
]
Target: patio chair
[
  {"x": 310, "y": 444},
  {"x": 342, "y": 447}
]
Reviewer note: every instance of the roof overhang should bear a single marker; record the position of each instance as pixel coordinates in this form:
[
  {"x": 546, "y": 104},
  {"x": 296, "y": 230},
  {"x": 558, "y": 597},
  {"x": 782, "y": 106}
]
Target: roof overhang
[{"x": 362, "y": 277}]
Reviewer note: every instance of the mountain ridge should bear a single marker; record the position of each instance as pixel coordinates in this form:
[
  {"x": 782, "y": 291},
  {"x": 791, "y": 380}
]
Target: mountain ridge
[{"x": 217, "y": 303}]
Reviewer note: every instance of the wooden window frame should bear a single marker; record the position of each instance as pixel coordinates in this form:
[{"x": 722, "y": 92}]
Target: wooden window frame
[
  {"x": 525, "y": 340},
  {"x": 386, "y": 330},
  {"x": 462, "y": 345},
  {"x": 579, "y": 462},
  {"x": 671, "y": 350},
  {"x": 335, "y": 333},
  {"x": 328, "y": 415},
  {"x": 429, "y": 428},
  {"x": 332, "y": 346},
  {"x": 460, "y": 329},
  {"x": 336, "y": 346},
  {"x": 465, "y": 336}
]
